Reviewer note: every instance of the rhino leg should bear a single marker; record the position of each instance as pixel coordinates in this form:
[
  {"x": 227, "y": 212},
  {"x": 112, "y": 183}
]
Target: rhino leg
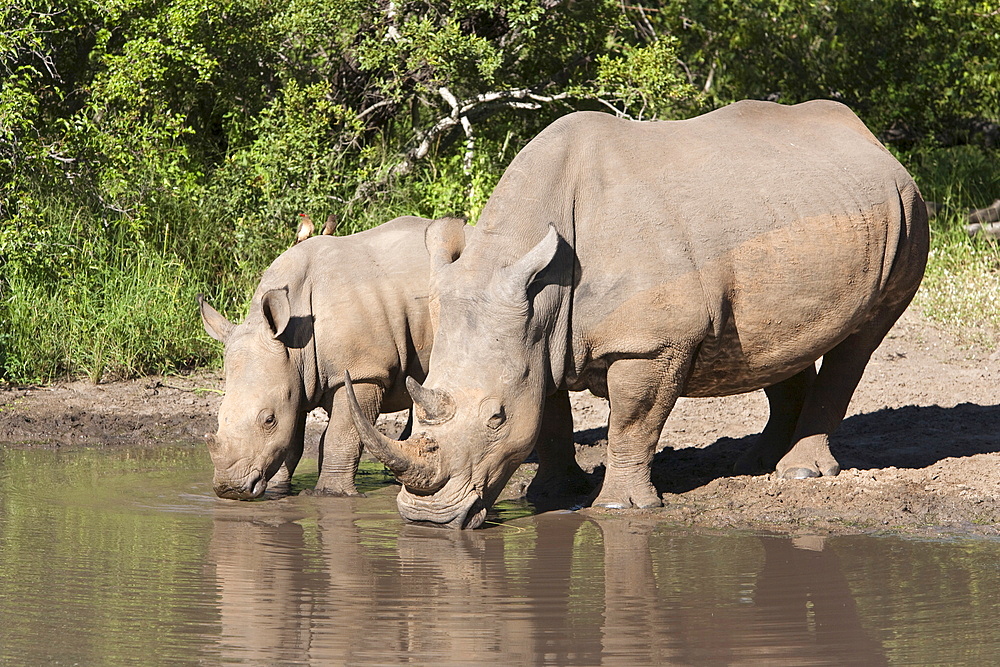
[
  {"x": 785, "y": 401},
  {"x": 642, "y": 394},
  {"x": 827, "y": 401},
  {"x": 559, "y": 475},
  {"x": 340, "y": 446},
  {"x": 281, "y": 483}
]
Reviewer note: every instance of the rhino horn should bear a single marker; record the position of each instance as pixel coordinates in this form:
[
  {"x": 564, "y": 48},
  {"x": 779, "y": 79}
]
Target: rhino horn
[
  {"x": 437, "y": 406},
  {"x": 416, "y": 465}
]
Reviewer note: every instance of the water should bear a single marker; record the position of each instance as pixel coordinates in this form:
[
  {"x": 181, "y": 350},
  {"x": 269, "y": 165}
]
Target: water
[{"x": 124, "y": 557}]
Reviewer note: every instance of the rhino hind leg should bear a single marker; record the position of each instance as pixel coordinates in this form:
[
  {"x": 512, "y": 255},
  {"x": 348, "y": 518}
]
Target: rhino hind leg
[
  {"x": 338, "y": 465},
  {"x": 559, "y": 475},
  {"x": 785, "y": 400},
  {"x": 340, "y": 445},
  {"x": 827, "y": 400}
]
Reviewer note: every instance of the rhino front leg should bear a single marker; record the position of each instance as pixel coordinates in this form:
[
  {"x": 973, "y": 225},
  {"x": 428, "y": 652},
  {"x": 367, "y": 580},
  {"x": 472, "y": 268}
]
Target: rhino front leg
[
  {"x": 642, "y": 393},
  {"x": 281, "y": 483},
  {"x": 785, "y": 401},
  {"x": 340, "y": 446},
  {"x": 559, "y": 475}
]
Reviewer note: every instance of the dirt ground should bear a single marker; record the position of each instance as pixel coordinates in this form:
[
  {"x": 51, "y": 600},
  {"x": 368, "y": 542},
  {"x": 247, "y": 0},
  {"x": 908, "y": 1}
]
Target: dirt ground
[{"x": 920, "y": 447}]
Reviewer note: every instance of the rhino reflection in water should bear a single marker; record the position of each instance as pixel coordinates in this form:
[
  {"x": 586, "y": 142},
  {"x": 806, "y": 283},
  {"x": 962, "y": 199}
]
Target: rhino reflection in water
[
  {"x": 344, "y": 588},
  {"x": 650, "y": 260}
]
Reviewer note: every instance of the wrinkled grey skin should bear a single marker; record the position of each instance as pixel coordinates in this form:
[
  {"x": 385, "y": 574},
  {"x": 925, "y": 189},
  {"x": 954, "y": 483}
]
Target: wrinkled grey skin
[
  {"x": 647, "y": 261},
  {"x": 326, "y": 305}
]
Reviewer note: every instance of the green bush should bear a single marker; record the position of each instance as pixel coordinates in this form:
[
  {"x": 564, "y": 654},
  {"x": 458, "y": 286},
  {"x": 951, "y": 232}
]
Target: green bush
[
  {"x": 961, "y": 287},
  {"x": 152, "y": 150}
]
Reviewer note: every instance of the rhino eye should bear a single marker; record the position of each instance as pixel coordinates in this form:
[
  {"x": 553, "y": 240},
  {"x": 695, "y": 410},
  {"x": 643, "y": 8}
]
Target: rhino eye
[
  {"x": 268, "y": 420},
  {"x": 496, "y": 420}
]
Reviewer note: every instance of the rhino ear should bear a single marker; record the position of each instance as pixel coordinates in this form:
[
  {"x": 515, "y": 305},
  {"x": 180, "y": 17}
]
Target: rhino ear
[
  {"x": 277, "y": 310},
  {"x": 515, "y": 279},
  {"x": 445, "y": 241},
  {"x": 216, "y": 325}
]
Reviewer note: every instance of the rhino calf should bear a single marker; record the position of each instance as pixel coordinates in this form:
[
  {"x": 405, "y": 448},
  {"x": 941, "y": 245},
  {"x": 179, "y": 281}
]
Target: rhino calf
[
  {"x": 326, "y": 305},
  {"x": 646, "y": 261}
]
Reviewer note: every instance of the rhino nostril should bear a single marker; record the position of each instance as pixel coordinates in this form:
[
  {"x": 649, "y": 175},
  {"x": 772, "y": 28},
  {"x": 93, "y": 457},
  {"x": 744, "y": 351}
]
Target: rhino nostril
[{"x": 257, "y": 486}]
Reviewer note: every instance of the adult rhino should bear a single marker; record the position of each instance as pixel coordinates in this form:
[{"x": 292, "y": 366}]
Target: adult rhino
[
  {"x": 325, "y": 306},
  {"x": 650, "y": 260}
]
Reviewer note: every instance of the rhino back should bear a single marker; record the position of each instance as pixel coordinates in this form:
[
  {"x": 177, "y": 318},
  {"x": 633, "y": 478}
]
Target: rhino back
[
  {"x": 767, "y": 232},
  {"x": 363, "y": 296}
]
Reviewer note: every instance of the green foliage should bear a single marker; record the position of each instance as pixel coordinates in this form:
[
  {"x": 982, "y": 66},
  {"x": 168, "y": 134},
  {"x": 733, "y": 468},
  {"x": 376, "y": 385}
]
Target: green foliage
[
  {"x": 961, "y": 287},
  {"x": 910, "y": 69},
  {"x": 151, "y": 150},
  {"x": 188, "y": 136}
]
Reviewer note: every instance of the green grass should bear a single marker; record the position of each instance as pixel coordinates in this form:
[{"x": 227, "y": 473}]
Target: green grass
[
  {"x": 91, "y": 292},
  {"x": 83, "y": 296},
  {"x": 961, "y": 287},
  {"x": 132, "y": 317}
]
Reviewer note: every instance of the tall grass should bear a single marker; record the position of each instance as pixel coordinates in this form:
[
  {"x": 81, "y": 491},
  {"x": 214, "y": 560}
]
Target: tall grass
[
  {"x": 89, "y": 295},
  {"x": 115, "y": 320},
  {"x": 88, "y": 292},
  {"x": 961, "y": 288}
]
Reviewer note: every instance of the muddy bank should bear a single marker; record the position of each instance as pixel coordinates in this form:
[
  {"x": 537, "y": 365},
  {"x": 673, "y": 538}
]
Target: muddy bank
[{"x": 920, "y": 447}]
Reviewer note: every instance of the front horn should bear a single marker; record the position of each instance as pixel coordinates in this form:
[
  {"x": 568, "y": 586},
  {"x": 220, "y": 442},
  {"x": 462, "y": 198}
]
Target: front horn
[{"x": 416, "y": 465}]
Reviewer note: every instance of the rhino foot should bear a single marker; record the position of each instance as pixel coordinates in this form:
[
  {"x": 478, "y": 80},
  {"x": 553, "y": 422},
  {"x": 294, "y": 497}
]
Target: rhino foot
[
  {"x": 335, "y": 492},
  {"x": 279, "y": 489},
  {"x": 644, "y": 497},
  {"x": 810, "y": 457},
  {"x": 806, "y": 473},
  {"x": 799, "y": 473}
]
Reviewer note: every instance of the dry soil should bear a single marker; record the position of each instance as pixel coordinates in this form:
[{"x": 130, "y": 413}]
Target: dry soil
[{"x": 920, "y": 447}]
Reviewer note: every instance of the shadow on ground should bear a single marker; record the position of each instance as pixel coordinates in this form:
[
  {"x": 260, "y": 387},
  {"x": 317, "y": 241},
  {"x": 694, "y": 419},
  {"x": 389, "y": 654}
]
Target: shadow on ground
[{"x": 907, "y": 437}]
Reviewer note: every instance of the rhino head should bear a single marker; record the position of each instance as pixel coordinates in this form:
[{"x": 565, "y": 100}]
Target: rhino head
[
  {"x": 479, "y": 411},
  {"x": 261, "y": 416}
]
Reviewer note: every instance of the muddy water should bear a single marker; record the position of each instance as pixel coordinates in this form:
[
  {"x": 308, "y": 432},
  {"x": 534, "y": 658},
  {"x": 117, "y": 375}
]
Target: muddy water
[{"x": 124, "y": 557}]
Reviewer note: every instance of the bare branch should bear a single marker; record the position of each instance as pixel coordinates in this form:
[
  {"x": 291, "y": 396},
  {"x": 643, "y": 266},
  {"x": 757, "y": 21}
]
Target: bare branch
[
  {"x": 470, "y": 145},
  {"x": 390, "y": 14},
  {"x": 450, "y": 99},
  {"x": 618, "y": 112},
  {"x": 374, "y": 107},
  {"x": 463, "y": 113}
]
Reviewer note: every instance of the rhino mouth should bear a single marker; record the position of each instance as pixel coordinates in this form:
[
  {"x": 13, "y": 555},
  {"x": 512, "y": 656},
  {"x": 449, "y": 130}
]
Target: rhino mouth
[
  {"x": 468, "y": 514},
  {"x": 253, "y": 487}
]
